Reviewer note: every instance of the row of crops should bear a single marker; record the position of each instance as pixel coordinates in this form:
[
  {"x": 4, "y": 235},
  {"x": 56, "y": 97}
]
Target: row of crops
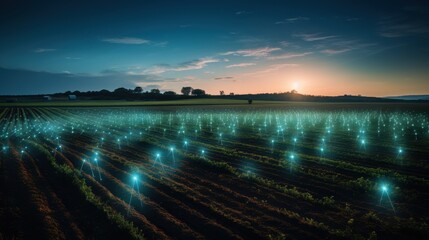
[{"x": 233, "y": 173}]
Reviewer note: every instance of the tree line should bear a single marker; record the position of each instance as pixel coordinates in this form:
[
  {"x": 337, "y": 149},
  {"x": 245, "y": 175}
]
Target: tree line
[{"x": 136, "y": 93}]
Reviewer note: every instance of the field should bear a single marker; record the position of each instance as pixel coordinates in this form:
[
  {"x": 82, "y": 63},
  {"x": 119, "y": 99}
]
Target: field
[{"x": 261, "y": 171}]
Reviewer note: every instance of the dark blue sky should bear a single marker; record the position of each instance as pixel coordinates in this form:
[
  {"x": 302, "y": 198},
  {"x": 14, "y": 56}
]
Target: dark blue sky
[{"x": 372, "y": 48}]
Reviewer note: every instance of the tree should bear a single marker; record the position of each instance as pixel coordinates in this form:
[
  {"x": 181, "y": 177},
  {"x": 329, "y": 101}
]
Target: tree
[
  {"x": 104, "y": 92},
  {"x": 186, "y": 90},
  {"x": 155, "y": 91},
  {"x": 170, "y": 93},
  {"x": 294, "y": 91},
  {"x": 222, "y": 92},
  {"x": 138, "y": 90},
  {"x": 121, "y": 91},
  {"x": 198, "y": 92},
  {"x": 231, "y": 94}
]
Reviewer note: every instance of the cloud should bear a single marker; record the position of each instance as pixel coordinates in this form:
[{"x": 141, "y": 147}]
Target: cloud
[
  {"x": 42, "y": 50},
  {"x": 394, "y": 27},
  {"x": 337, "y": 46},
  {"x": 313, "y": 37},
  {"x": 335, "y": 51},
  {"x": 267, "y": 69},
  {"x": 127, "y": 40},
  {"x": 160, "y": 44},
  {"x": 292, "y": 20},
  {"x": 192, "y": 65},
  {"x": 241, "y": 65},
  {"x": 223, "y": 78},
  {"x": 73, "y": 58},
  {"x": 242, "y": 12},
  {"x": 284, "y": 43},
  {"x": 257, "y": 52},
  {"x": 279, "y": 66},
  {"x": 289, "y": 55}
]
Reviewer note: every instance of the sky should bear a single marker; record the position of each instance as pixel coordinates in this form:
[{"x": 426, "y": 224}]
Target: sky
[{"x": 372, "y": 48}]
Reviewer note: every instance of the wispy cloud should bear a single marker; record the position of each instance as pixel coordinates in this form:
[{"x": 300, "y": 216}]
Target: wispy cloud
[
  {"x": 241, "y": 65},
  {"x": 313, "y": 37},
  {"x": 289, "y": 55},
  {"x": 42, "y": 50},
  {"x": 267, "y": 69},
  {"x": 335, "y": 51},
  {"x": 257, "y": 52},
  {"x": 284, "y": 43},
  {"x": 292, "y": 20},
  {"x": 393, "y": 27},
  {"x": 126, "y": 40},
  {"x": 223, "y": 78},
  {"x": 160, "y": 44},
  {"x": 338, "y": 46},
  {"x": 192, "y": 65},
  {"x": 73, "y": 58},
  {"x": 242, "y": 12}
]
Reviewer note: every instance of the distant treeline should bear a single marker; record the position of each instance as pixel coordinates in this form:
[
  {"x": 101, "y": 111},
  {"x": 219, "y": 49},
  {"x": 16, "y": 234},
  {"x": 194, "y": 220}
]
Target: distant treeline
[{"x": 186, "y": 93}]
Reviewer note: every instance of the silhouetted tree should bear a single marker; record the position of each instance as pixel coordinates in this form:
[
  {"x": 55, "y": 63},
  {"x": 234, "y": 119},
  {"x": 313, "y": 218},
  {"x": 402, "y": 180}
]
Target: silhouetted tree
[
  {"x": 121, "y": 91},
  {"x": 222, "y": 93},
  {"x": 170, "y": 93},
  {"x": 138, "y": 90},
  {"x": 155, "y": 91},
  {"x": 186, "y": 90},
  {"x": 198, "y": 92},
  {"x": 294, "y": 91},
  {"x": 104, "y": 92},
  {"x": 231, "y": 94}
]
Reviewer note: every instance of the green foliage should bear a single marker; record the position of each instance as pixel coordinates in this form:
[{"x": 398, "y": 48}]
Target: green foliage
[
  {"x": 279, "y": 236},
  {"x": 115, "y": 217},
  {"x": 372, "y": 236}
]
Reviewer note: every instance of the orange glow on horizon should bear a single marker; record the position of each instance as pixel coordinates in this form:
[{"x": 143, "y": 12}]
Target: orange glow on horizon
[{"x": 311, "y": 80}]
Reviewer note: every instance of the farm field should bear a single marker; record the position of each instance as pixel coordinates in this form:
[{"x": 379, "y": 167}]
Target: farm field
[{"x": 262, "y": 171}]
